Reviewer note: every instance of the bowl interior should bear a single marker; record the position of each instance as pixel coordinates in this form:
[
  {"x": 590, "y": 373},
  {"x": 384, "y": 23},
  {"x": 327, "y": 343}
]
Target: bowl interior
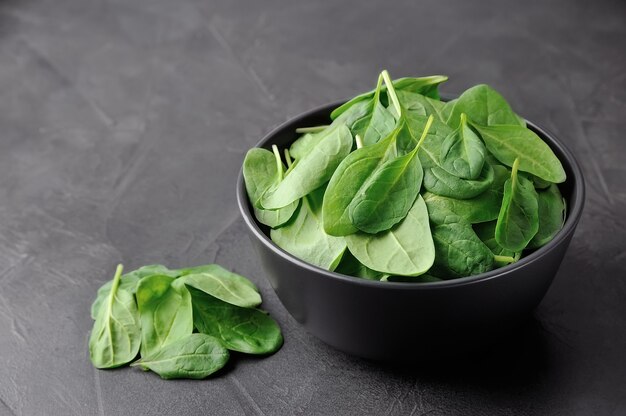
[{"x": 282, "y": 136}]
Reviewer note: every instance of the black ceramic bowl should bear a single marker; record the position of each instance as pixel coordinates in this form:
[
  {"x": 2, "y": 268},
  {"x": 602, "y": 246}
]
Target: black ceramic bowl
[{"x": 385, "y": 320}]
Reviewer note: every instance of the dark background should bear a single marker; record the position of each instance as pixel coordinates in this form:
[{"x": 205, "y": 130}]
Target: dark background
[{"x": 123, "y": 125}]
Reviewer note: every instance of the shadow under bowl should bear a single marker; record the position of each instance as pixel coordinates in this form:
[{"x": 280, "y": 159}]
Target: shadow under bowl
[{"x": 396, "y": 320}]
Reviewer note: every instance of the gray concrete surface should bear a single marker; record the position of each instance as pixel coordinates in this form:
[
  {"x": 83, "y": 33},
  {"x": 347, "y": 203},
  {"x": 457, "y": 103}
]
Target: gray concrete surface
[{"x": 123, "y": 124}]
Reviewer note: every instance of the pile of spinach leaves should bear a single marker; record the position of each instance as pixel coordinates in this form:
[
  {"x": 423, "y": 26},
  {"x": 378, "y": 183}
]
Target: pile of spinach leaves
[
  {"x": 182, "y": 322},
  {"x": 401, "y": 186}
]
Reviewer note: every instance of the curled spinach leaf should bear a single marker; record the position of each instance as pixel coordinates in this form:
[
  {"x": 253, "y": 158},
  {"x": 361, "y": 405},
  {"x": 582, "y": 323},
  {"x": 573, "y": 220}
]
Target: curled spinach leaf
[
  {"x": 224, "y": 285},
  {"x": 115, "y": 337},
  {"x": 196, "y": 356}
]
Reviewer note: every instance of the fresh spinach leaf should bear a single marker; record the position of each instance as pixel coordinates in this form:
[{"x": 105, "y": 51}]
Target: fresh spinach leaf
[
  {"x": 430, "y": 149},
  {"x": 305, "y": 238},
  {"x": 377, "y": 123},
  {"x": 518, "y": 220},
  {"x": 196, "y": 356},
  {"x": 389, "y": 192},
  {"x": 482, "y": 208},
  {"x": 484, "y": 106},
  {"x": 219, "y": 270},
  {"x": 405, "y": 249},
  {"x": 115, "y": 337},
  {"x": 462, "y": 152},
  {"x": 348, "y": 180},
  {"x": 312, "y": 171},
  {"x": 551, "y": 216},
  {"x": 262, "y": 170},
  {"x": 240, "y": 329},
  {"x": 440, "y": 182},
  {"x": 459, "y": 251},
  {"x": 224, "y": 285},
  {"x": 508, "y": 143},
  {"x": 164, "y": 311}
]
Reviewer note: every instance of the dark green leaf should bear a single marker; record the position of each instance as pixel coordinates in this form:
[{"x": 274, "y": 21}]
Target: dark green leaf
[
  {"x": 551, "y": 216},
  {"x": 486, "y": 231},
  {"x": 115, "y": 337},
  {"x": 440, "y": 182},
  {"x": 240, "y": 329},
  {"x": 196, "y": 356},
  {"x": 164, "y": 311},
  {"x": 459, "y": 251},
  {"x": 224, "y": 285},
  {"x": 462, "y": 152},
  {"x": 518, "y": 220},
  {"x": 350, "y": 266}
]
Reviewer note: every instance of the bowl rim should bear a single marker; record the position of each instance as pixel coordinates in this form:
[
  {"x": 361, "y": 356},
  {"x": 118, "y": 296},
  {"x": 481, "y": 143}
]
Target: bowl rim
[{"x": 575, "y": 211}]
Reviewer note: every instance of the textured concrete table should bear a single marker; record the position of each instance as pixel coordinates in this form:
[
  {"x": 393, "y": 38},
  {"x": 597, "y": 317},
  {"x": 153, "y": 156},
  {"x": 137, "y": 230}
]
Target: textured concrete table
[{"x": 123, "y": 124}]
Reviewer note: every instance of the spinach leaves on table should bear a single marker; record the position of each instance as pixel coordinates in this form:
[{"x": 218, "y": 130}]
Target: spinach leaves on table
[
  {"x": 431, "y": 190},
  {"x": 154, "y": 310}
]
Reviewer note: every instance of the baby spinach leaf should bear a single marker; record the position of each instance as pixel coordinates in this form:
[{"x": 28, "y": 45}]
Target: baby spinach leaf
[
  {"x": 347, "y": 182},
  {"x": 262, "y": 170},
  {"x": 240, "y": 329},
  {"x": 508, "y": 143},
  {"x": 538, "y": 182},
  {"x": 377, "y": 123},
  {"x": 486, "y": 231},
  {"x": 196, "y": 356},
  {"x": 419, "y": 104},
  {"x": 312, "y": 171},
  {"x": 440, "y": 182},
  {"x": 305, "y": 238},
  {"x": 462, "y": 152},
  {"x": 128, "y": 282},
  {"x": 350, "y": 266},
  {"x": 164, "y": 311},
  {"x": 405, "y": 249},
  {"x": 219, "y": 270},
  {"x": 484, "y": 106},
  {"x": 430, "y": 149},
  {"x": 389, "y": 192},
  {"x": 482, "y": 208},
  {"x": 518, "y": 220},
  {"x": 224, "y": 285},
  {"x": 427, "y": 86},
  {"x": 459, "y": 251},
  {"x": 551, "y": 216},
  {"x": 304, "y": 144},
  {"x": 115, "y": 337}
]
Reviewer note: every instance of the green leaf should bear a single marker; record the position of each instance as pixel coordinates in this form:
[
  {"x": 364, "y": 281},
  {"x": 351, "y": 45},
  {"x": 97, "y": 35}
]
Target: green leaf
[
  {"x": 240, "y": 329},
  {"x": 486, "y": 231},
  {"x": 389, "y": 193},
  {"x": 551, "y": 216},
  {"x": 482, "y": 208},
  {"x": 508, "y": 143},
  {"x": 224, "y": 285},
  {"x": 115, "y": 336},
  {"x": 348, "y": 180},
  {"x": 164, "y": 311},
  {"x": 421, "y": 105},
  {"x": 484, "y": 106},
  {"x": 430, "y": 149},
  {"x": 462, "y": 152},
  {"x": 263, "y": 170},
  {"x": 128, "y": 282},
  {"x": 427, "y": 86},
  {"x": 459, "y": 251},
  {"x": 440, "y": 182},
  {"x": 312, "y": 171},
  {"x": 518, "y": 220},
  {"x": 377, "y": 123},
  {"x": 406, "y": 249},
  {"x": 217, "y": 269},
  {"x": 196, "y": 356},
  {"x": 305, "y": 238}
]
